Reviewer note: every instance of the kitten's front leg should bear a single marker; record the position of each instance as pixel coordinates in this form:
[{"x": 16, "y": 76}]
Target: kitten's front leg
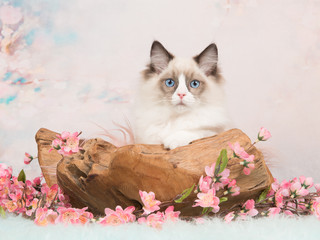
[{"x": 180, "y": 138}]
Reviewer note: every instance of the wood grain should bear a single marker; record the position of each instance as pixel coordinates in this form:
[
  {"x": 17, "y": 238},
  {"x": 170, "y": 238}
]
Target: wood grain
[{"x": 102, "y": 175}]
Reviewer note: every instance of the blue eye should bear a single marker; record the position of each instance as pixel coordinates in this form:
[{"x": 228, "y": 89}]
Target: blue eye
[
  {"x": 170, "y": 82},
  {"x": 194, "y": 84}
]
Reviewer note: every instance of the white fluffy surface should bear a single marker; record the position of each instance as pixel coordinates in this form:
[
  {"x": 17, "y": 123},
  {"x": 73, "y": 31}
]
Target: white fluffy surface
[{"x": 264, "y": 228}]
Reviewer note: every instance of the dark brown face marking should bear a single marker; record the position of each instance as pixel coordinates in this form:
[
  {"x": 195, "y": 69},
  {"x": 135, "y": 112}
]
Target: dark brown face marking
[
  {"x": 189, "y": 77},
  {"x": 196, "y": 92},
  {"x": 168, "y": 91}
]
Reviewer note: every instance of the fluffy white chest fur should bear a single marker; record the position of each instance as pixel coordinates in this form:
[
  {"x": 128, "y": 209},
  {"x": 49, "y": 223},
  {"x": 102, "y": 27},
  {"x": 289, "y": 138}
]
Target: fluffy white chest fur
[{"x": 179, "y": 100}]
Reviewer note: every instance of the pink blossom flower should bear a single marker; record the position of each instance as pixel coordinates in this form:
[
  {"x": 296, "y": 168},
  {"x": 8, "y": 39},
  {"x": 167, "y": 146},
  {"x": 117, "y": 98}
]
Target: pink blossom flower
[
  {"x": 285, "y": 188},
  {"x": 72, "y": 143},
  {"x": 248, "y": 209},
  {"x": 64, "y": 199},
  {"x": 154, "y": 220},
  {"x": 273, "y": 211},
  {"x": 263, "y": 134},
  {"x": 248, "y": 164},
  {"x": 56, "y": 144},
  {"x": 28, "y": 158},
  {"x": 221, "y": 180},
  {"x": 10, "y": 205},
  {"x": 317, "y": 187},
  {"x": 297, "y": 190},
  {"x": 67, "y": 143},
  {"x": 5, "y": 171},
  {"x": 68, "y": 215},
  {"x": 229, "y": 217},
  {"x": 171, "y": 215},
  {"x": 210, "y": 170},
  {"x": 247, "y": 170},
  {"x": 51, "y": 193},
  {"x": 149, "y": 202},
  {"x": 29, "y": 189},
  {"x": 279, "y": 199},
  {"x": 52, "y": 216},
  {"x": 238, "y": 151},
  {"x": 232, "y": 188},
  {"x": 33, "y": 205},
  {"x": 126, "y": 215},
  {"x": 316, "y": 207},
  {"x": 306, "y": 182},
  {"x": 204, "y": 184},
  {"x": 111, "y": 218},
  {"x": 37, "y": 181},
  {"x": 41, "y": 217},
  {"x": 275, "y": 185},
  {"x": 73, "y": 215},
  {"x": 84, "y": 216},
  {"x": 45, "y": 216},
  {"x": 10, "y": 14},
  {"x": 208, "y": 199}
]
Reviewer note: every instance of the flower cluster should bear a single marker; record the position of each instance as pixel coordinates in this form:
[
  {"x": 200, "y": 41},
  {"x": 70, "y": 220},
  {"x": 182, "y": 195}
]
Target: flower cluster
[
  {"x": 247, "y": 209},
  {"x": 117, "y": 217},
  {"x": 150, "y": 206},
  {"x": 66, "y": 143},
  {"x": 64, "y": 215},
  {"x": 30, "y": 198},
  {"x": 157, "y": 219},
  {"x": 209, "y": 185},
  {"x": 290, "y": 196},
  {"x": 239, "y": 152},
  {"x": 248, "y": 160}
]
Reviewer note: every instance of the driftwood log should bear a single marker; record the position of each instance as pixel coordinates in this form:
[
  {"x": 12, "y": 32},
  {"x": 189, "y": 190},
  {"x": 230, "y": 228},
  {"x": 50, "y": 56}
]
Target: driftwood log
[{"x": 102, "y": 175}]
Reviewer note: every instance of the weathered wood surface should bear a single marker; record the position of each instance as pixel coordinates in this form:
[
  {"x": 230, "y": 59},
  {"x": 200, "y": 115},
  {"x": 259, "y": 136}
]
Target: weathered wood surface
[{"x": 102, "y": 175}]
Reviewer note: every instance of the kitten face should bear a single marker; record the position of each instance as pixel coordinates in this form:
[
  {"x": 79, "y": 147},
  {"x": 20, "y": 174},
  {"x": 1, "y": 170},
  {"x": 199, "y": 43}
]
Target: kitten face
[
  {"x": 179, "y": 100},
  {"x": 182, "y": 83}
]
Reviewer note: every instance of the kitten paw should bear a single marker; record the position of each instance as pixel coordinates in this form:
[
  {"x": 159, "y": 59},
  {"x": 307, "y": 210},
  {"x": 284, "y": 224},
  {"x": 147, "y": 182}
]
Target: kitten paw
[{"x": 177, "y": 140}]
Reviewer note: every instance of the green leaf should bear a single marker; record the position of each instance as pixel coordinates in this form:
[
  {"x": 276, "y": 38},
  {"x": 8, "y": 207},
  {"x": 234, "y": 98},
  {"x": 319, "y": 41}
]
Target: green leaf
[
  {"x": 2, "y": 212},
  {"x": 206, "y": 210},
  {"x": 22, "y": 176},
  {"x": 224, "y": 160},
  {"x": 218, "y": 163},
  {"x": 263, "y": 195},
  {"x": 223, "y": 199},
  {"x": 221, "y": 162},
  {"x": 185, "y": 194}
]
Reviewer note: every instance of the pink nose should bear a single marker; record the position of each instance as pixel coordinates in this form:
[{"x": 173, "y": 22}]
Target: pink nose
[{"x": 181, "y": 95}]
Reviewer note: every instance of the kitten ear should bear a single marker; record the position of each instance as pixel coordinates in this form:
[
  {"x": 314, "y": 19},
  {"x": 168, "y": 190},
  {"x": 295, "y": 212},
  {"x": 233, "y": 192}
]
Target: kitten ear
[
  {"x": 208, "y": 59},
  {"x": 160, "y": 57}
]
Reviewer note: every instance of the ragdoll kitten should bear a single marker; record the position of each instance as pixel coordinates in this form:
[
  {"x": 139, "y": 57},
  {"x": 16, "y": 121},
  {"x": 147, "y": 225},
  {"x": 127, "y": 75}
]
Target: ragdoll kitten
[{"x": 180, "y": 100}]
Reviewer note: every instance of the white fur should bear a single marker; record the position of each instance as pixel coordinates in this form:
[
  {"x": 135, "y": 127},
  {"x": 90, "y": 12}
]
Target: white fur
[
  {"x": 278, "y": 228},
  {"x": 182, "y": 89},
  {"x": 174, "y": 124}
]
